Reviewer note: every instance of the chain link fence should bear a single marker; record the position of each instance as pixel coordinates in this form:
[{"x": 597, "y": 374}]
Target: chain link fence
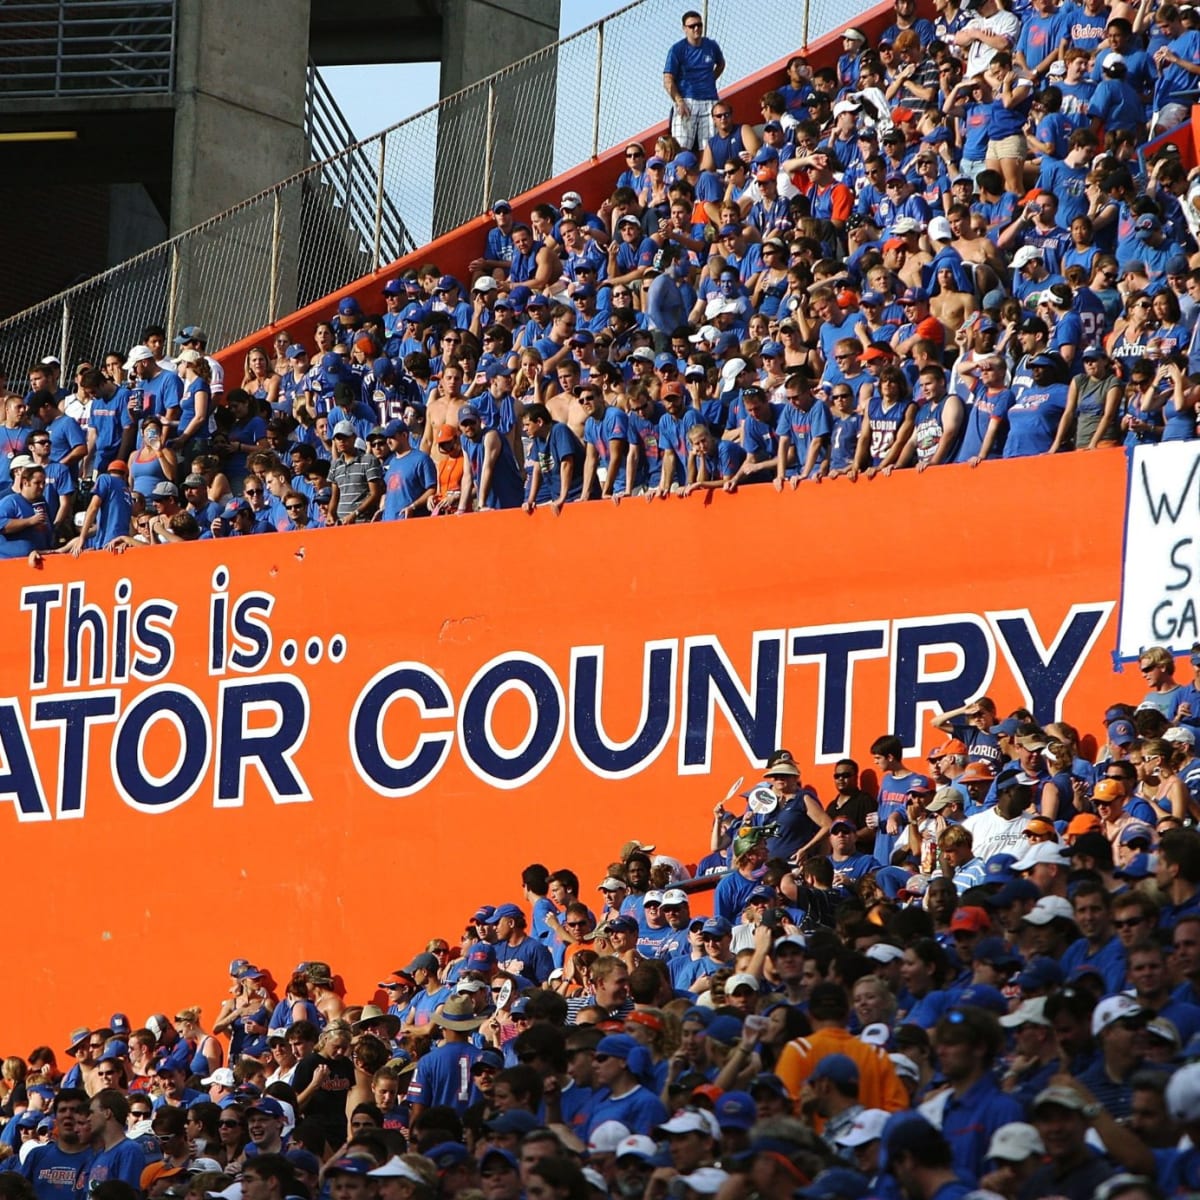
[{"x": 380, "y": 198}]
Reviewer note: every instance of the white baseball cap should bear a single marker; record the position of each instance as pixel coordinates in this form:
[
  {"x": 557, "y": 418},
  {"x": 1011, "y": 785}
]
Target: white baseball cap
[
  {"x": 674, "y": 897},
  {"x": 1049, "y": 908},
  {"x": 1030, "y": 1012},
  {"x": 883, "y": 952},
  {"x": 1112, "y": 1009},
  {"x": 1041, "y": 852},
  {"x": 222, "y": 1076},
  {"x": 706, "y": 1180},
  {"x": 1183, "y": 1094},
  {"x": 606, "y": 1137},
  {"x": 1015, "y": 1142},
  {"x": 136, "y": 355},
  {"x": 875, "y": 1034},
  {"x": 867, "y": 1127},
  {"x": 1026, "y": 254}
]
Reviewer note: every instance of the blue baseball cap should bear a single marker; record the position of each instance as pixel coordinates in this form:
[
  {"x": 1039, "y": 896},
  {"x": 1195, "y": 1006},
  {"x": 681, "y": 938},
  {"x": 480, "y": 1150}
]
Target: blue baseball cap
[
  {"x": 491, "y": 1152},
  {"x": 304, "y": 1160},
  {"x": 1005, "y": 728},
  {"x": 413, "y": 313},
  {"x": 490, "y": 1058},
  {"x": 982, "y": 995},
  {"x": 702, "y": 1016},
  {"x": 585, "y": 337},
  {"x": 623, "y": 924},
  {"x": 119, "y": 1023},
  {"x": 914, "y": 295},
  {"x": 919, "y": 783},
  {"x": 717, "y": 926},
  {"x": 724, "y": 1030},
  {"x": 767, "y": 1081},
  {"x": 771, "y": 350},
  {"x": 498, "y": 370},
  {"x": 1140, "y": 866},
  {"x": 685, "y": 160},
  {"x": 394, "y": 427},
  {"x": 468, "y": 412},
  {"x": 1011, "y": 776},
  {"x": 395, "y": 287},
  {"x": 870, "y": 299},
  {"x": 1011, "y": 892},
  {"x": 349, "y": 307},
  {"x": 1121, "y": 732},
  {"x": 838, "y": 1068},
  {"x": 508, "y": 910},
  {"x": 665, "y": 360},
  {"x": 516, "y": 1120},
  {"x": 269, "y": 1107},
  {"x": 735, "y": 1110},
  {"x": 485, "y": 914},
  {"x": 617, "y": 1045},
  {"x": 349, "y": 1164},
  {"x": 447, "y": 1154},
  {"x": 997, "y": 952},
  {"x": 835, "y": 1183},
  {"x": 519, "y": 296},
  {"x": 1039, "y": 974},
  {"x": 446, "y": 283}
]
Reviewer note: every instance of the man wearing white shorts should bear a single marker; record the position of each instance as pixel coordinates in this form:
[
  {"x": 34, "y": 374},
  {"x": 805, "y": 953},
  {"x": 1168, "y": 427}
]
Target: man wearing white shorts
[{"x": 694, "y": 64}]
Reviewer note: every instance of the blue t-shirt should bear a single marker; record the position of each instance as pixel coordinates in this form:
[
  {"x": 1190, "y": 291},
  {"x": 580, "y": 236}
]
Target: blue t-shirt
[
  {"x": 639, "y": 1110},
  {"x": 116, "y": 510},
  {"x": 1033, "y": 420},
  {"x": 507, "y": 486},
  {"x": 558, "y": 446},
  {"x": 407, "y": 477},
  {"x": 56, "y": 1175},
  {"x": 694, "y": 68},
  {"x": 14, "y": 507},
  {"x": 125, "y": 1161},
  {"x": 443, "y": 1077}
]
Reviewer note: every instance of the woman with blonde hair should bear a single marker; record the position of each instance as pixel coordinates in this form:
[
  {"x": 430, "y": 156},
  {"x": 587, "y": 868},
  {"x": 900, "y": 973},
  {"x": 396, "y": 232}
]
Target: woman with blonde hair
[
  {"x": 207, "y": 1053},
  {"x": 261, "y": 379},
  {"x": 1159, "y": 782}
]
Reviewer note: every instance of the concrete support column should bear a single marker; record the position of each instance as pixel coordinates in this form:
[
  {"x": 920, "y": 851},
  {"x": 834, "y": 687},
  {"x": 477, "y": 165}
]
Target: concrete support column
[
  {"x": 480, "y": 37},
  {"x": 239, "y": 128}
]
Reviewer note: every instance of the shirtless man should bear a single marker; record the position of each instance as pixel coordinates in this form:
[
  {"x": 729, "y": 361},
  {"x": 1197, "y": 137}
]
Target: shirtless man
[{"x": 443, "y": 407}]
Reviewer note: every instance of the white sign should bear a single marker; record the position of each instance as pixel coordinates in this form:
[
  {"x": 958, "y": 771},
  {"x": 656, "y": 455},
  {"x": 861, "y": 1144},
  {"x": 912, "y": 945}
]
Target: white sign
[{"x": 1160, "y": 584}]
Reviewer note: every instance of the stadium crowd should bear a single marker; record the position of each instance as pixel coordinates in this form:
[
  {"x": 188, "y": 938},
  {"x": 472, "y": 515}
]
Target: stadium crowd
[
  {"x": 951, "y": 246},
  {"x": 978, "y": 975}
]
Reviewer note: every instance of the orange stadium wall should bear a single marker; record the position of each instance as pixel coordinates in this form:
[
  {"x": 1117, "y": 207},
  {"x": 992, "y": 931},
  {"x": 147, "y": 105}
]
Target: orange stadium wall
[
  {"x": 593, "y": 180},
  {"x": 301, "y": 747}
]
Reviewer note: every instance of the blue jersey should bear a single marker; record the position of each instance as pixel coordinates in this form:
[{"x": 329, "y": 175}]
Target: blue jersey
[
  {"x": 599, "y": 434},
  {"x": 125, "y": 1161},
  {"x": 643, "y": 433},
  {"x": 56, "y": 1175},
  {"x": 407, "y": 477},
  {"x": 893, "y": 796},
  {"x": 108, "y": 418},
  {"x": 639, "y": 1110},
  {"x": 885, "y": 425},
  {"x": 984, "y": 408},
  {"x": 116, "y": 510},
  {"x": 1033, "y": 420},
  {"x": 14, "y": 507},
  {"x": 443, "y": 1077},
  {"x": 157, "y": 395},
  {"x": 804, "y": 426},
  {"x": 558, "y": 446},
  {"x": 507, "y": 486},
  {"x": 695, "y": 68},
  {"x": 731, "y": 896}
]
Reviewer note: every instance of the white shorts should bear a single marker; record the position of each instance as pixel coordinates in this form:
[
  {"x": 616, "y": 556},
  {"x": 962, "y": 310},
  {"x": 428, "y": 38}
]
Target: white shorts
[{"x": 694, "y": 130}]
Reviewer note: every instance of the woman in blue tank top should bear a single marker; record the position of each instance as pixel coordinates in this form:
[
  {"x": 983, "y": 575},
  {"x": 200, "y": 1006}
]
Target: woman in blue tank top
[
  {"x": 1179, "y": 412},
  {"x": 152, "y": 462}
]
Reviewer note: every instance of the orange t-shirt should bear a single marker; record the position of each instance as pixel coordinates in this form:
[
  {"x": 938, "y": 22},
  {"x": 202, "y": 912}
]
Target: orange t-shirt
[
  {"x": 450, "y": 475},
  {"x": 878, "y": 1084}
]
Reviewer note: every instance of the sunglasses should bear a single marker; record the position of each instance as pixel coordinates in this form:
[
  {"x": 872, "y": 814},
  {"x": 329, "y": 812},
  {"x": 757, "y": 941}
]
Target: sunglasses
[{"x": 1129, "y": 923}]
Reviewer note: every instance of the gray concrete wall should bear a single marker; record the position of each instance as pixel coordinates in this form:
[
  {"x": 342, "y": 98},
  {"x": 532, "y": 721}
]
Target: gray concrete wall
[
  {"x": 239, "y": 128},
  {"x": 480, "y": 37},
  {"x": 239, "y": 112}
]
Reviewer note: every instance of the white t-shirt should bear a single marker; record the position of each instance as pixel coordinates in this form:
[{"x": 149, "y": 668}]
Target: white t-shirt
[
  {"x": 992, "y": 834},
  {"x": 979, "y": 54}
]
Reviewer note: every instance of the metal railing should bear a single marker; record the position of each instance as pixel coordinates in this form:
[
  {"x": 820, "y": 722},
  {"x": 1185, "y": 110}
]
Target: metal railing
[
  {"x": 292, "y": 244},
  {"x": 75, "y": 48},
  {"x": 350, "y": 176}
]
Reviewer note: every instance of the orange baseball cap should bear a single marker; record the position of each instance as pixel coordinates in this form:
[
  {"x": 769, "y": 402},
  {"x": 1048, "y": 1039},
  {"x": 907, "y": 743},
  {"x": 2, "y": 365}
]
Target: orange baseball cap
[
  {"x": 977, "y": 772},
  {"x": 446, "y": 433},
  {"x": 1083, "y": 823},
  {"x": 953, "y": 746}
]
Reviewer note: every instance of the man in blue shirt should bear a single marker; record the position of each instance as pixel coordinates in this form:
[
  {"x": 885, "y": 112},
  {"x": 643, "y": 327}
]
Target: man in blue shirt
[
  {"x": 1099, "y": 947},
  {"x": 516, "y": 952},
  {"x": 58, "y": 1169},
  {"x": 693, "y": 66},
  {"x": 443, "y": 1076},
  {"x": 410, "y": 478},
  {"x": 967, "y": 1041},
  {"x": 25, "y": 523},
  {"x": 117, "y": 1157}
]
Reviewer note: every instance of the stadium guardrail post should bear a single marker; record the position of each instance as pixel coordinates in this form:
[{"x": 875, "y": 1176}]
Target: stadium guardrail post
[
  {"x": 489, "y": 146},
  {"x": 276, "y": 250},
  {"x": 378, "y": 255},
  {"x": 173, "y": 290},
  {"x": 599, "y": 85}
]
